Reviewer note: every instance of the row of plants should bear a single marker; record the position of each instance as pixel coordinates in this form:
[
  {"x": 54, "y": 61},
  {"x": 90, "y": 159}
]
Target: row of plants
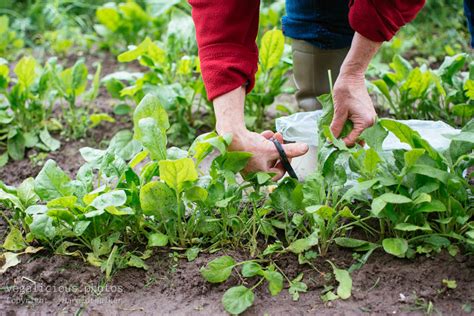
[
  {"x": 445, "y": 93},
  {"x": 45, "y": 99},
  {"x": 138, "y": 194}
]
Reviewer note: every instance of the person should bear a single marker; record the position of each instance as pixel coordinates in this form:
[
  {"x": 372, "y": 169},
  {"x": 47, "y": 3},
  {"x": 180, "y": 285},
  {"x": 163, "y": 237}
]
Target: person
[{"x": 339, "y": 35}]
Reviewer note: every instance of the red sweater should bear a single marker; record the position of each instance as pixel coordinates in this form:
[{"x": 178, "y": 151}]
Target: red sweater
[{"x": 226, "y": 33}]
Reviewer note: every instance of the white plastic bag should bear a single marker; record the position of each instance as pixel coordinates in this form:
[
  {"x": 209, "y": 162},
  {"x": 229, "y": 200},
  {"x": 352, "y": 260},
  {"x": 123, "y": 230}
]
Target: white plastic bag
[{"x": 303, "y": 127}]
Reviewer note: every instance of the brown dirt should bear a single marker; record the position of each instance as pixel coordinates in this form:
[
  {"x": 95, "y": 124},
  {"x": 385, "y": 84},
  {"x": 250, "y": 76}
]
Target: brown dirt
[{"x": 385, "y": 285}]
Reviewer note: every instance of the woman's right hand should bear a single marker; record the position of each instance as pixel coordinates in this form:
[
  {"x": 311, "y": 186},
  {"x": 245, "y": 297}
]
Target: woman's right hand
[{"x": 229, "y": 109}]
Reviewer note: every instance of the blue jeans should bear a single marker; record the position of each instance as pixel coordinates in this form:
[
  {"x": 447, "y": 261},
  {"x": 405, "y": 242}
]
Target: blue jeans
[
  {"x": 323, "y": 23},
  {"x": 468, "y": 8}
]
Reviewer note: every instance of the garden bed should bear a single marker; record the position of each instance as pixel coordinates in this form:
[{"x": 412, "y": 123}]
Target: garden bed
[{"x": 385, "y": 285}]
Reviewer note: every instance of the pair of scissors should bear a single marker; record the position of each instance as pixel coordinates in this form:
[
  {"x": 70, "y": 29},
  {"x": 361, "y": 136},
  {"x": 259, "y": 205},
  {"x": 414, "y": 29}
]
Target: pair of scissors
[{"x": 284, "y": 158}]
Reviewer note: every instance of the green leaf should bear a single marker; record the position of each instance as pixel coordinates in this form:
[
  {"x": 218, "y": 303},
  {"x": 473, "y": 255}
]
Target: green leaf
[
  {"x": 450, "y": 284},
  {"x": 121, "y": 108},
  {"x": 52, "y": 182},
  {"x": 158, "y": 7},
  {"x": 250, "y": 269},
  {"x": 123, "y": 145},
  {"x": 26, "y": 193},
  {"x": 112, "y": 198},
  {"x": 196, "y": 193},
  {"x": 296, "y": 287},
  {"x": 109, "y": 17},
  {"x": 406, "y": 135},
  {"x": 98, "y": 118},
  {"x": 155, "y": 125},
  {"x": 14, "y": 240},
  {"x": 3, "y": 159},
  {"x": 237, "y": 299},
  {"x": 156, "y": 198},
  {"x": 407, "y": 227},
  {"x": 431, "y": 172},
  {"x": 275, "y": 281},
  {"x": 464, "y": 110},
  {"x": 379, "y": 203},
  {"x": 412, "y": 156},
  {"x": 324, "y": 211},
  {"x": 351, "y": 242},
  {"x": 119, "y": 211},
  {"x": 358, "y": 189},
  {"x": 401, "y": 66},
  {"x": 374, "y": 136},
  {"x": 345, "y": 282},
  {"x": 79, "y": 77},
  {"x": 109, "y": 264},
  {"x": 48, "y": 140},
  {"x": 137, "y": 262},
  {"x": 153, "y": 138},
  {"x": 432, "y": 206},
  {"x": 42, "y": 227},
  {"x": 464, "y": 137},
  {"x": 157, "y": 240},
  {"x": 25, "y": 70},
  {"x": 371, "y": 160},
  {"x": 383, "y": 88},
  {"x": 287, "y": 196},
  {"x": 271, "y": 48},
  {"x": 303, "y": 244},
  {"x": 94, "y": 89},
  {"x": 218, "y": 270},
  {"x": 192, "y": 253},
  {"x": 147, "y": 47},
  {"x": 395, "y": 246},
  {"x": 176, "y": 173},
  {"x": 450, "y": 66},
  {"x": 16, "y": 146},
  {"x": 329, "y": 296}
]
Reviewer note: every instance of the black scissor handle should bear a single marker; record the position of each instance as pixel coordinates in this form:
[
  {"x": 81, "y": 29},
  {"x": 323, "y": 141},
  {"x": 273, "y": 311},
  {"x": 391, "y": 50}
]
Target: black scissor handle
[{"x": 284, "y": 159}]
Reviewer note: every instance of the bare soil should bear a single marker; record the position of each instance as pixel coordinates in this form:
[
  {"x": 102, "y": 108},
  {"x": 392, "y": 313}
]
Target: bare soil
[{"x": 44, "y": 284}]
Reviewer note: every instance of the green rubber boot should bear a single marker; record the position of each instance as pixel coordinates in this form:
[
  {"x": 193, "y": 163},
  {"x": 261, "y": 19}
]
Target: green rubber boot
[{"x": 310, "y": 71}]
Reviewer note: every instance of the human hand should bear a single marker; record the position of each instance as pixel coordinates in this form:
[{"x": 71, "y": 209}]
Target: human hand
[
  {"x": 351, "y": 99},
  {"x": 352, "y": 102},
  {"x": 265, "y": 157}
]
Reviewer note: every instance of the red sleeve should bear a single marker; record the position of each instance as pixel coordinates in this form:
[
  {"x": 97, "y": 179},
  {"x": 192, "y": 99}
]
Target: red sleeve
[
  {"x": 226, "y": 34},
  {"x": 379, "y": 20}
]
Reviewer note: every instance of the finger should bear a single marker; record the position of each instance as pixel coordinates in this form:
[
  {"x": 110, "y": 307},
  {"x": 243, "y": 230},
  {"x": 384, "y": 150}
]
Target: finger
[
  {"x": 295, "y": 150},
  {"x": 353, "y": 136},
  {"x": 279, "y": 172},
  {"x": 337, "y": 124},
  {"x": 279, "y": 137},
  {"x": 267, "y": 134}
]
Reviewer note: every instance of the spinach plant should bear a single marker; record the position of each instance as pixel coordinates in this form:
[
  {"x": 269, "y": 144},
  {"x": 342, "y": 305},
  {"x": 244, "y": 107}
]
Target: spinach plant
[
  {"x": 25, "y": 110},
  {"x": 112, "y": 204},
  {"x": 421, "y": 93},
  {"x": 71, "y": 86},
  {"x": 269, "y": 79},
  {"x": 11, "y": 42},
  {"x": 174, "y": 78}
]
